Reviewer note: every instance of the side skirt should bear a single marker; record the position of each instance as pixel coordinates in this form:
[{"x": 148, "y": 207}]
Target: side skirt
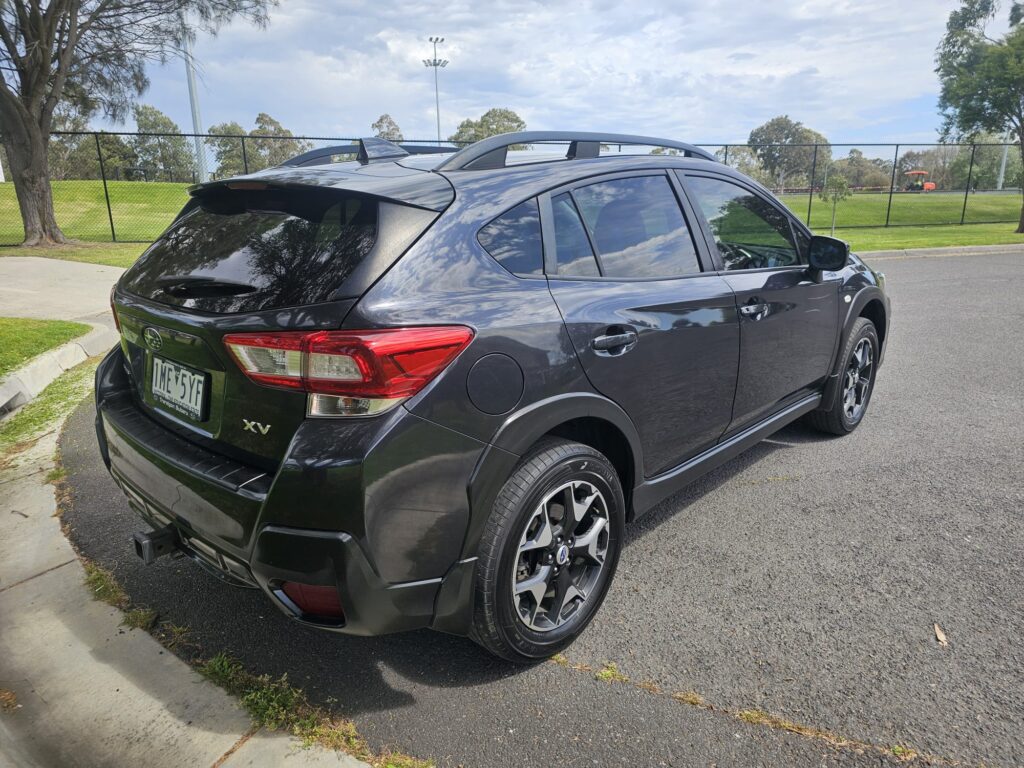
[{"x": 652, "y": 491}]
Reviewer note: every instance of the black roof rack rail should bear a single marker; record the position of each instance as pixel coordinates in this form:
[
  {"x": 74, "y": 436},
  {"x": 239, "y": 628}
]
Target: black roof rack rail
[
  {"x": 492, "y": 152},
  {"x": 368, "y": 150}
]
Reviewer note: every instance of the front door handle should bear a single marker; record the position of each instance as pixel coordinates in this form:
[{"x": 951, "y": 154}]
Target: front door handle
[
  {"x": 615, "y": 342},
  {"x": 755, "y": 311}
]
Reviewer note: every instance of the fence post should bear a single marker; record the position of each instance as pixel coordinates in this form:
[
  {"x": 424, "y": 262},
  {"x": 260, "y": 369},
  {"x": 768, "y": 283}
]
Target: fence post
[
  {"x": 106, "y": 193},
  {"x": 967, "y": 191},
  {"x": 892, "y": 184},
  {"x": 725, "y": 160},
  {"x": 810, "y": 194},
  {"x": 245, "y": 157}
]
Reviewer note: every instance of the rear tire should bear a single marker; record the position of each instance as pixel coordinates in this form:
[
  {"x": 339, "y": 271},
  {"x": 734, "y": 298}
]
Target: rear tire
[
  {"x": 548, "y": 552},
  {"x": 849, "y": 403}
]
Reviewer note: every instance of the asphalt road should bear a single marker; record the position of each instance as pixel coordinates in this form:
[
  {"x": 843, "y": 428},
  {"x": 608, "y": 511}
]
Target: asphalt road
[{"x": 802, "y": 579}]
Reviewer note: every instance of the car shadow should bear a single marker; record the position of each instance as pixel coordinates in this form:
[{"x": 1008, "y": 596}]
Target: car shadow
[{"x": 351, "y": 675}]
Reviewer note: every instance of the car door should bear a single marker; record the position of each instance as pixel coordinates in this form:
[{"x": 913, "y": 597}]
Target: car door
[
  {"x": 789, "y": 314},
  {"x": 655, "y": 330}
]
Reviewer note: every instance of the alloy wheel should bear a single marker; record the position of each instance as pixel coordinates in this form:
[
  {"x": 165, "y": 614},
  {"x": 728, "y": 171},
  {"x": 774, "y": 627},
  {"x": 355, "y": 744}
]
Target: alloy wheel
[
  {"x": 562, "y": 553},
  {"x": 857, "y": 380}
]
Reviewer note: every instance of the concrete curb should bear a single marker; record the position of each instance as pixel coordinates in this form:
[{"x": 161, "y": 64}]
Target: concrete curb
[
  {"x": 956, "y": 250},
  {"x": 32, "y": 378},
  {"x": 88, "y": 691}
]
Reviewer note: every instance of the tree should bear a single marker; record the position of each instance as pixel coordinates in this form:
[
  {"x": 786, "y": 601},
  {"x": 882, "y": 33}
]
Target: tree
[
  {"x": 272, "y": 144},
  {"x": 89, "y": 53},
  {"x": 491, "y": 123},
  {"x": 387, "y": 128},
  {"x": 268, "y": 144},
  {"x": 164, "y": 157},
  {"x": 982, "y": 78},
  {"x": 227, "y": 148},
  {"x": 782, "y": 147},
  {"x": 863, "y": 172},
  {"x": 836, "y": 188}
]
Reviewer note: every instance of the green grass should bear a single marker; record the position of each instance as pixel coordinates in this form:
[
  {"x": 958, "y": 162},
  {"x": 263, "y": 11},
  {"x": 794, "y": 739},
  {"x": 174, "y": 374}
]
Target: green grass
[
  {"x": 53, "y": 403},
  {"x": 908, "y": 208},
  {"x": 22, "y": 339},
  {"x": 895, "y": 238},
  {"x": 103, "y": 585},
  {"x": 141, "y": 210},
  {"x": 279, "y": 706},
  {"x": 112, "y": 254}
]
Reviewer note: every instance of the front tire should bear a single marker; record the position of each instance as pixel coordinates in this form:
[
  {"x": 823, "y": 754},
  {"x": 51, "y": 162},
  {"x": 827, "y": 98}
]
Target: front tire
[
  {"x": 856, "y": 382},
  {"x": 548, "y": 552}
]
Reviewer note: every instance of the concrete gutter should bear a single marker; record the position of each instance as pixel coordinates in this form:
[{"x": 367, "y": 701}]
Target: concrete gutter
[
  {"x": 82, "y": 690},
  {"x": 956, "y": 250},
  {"x": 32, "y": 378}
]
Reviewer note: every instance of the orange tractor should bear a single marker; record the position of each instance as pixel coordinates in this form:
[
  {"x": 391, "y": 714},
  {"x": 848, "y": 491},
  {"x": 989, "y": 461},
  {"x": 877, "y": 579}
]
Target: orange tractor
[{"x": 917, "y": 182}]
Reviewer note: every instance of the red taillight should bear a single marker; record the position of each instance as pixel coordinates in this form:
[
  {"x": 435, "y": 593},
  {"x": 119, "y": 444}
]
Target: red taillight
[
  {"x": 314, "y": 600},
  {"x": 113, "y": 309},
  {"x": 389, "y": 364}
]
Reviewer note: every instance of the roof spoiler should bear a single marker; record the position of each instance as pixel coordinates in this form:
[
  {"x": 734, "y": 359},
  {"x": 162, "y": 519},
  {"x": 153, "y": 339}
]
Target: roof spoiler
[
  {"x": 492, "y": 152},
  {"x": 368, "y": 150}
]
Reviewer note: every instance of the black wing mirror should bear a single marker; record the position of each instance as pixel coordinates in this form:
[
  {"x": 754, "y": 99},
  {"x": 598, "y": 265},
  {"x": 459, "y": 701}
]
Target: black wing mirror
[{"x": 828, "y": 254}]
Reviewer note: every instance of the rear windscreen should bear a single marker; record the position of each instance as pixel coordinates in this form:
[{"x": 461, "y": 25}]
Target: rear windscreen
[{"x": 248, "y": 250}]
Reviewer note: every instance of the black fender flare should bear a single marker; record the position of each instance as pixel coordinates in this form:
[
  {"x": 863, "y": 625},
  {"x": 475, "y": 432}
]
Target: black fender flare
[
  {"x": 854, "y": 308},
  {"x": 524, "y": 428}
]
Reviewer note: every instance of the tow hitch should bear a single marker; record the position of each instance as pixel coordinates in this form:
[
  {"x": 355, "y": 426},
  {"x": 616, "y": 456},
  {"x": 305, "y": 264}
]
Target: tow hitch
[{"x": 149, "y": 545}]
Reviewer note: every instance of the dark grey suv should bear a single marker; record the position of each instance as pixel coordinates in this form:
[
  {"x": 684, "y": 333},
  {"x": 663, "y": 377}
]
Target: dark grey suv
[{"x": 430, "y": 391}]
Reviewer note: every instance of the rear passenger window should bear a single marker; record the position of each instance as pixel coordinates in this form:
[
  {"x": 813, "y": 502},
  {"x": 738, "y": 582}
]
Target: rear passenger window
[
  {"x": 514, "y": 240},
  {"x": 572, "y": 248},
  {"x": 637, "y": 227}
]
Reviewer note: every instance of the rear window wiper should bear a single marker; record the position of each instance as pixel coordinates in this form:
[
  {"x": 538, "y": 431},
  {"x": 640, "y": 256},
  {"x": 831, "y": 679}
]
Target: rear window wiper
[{"x": 194, "y": 287}]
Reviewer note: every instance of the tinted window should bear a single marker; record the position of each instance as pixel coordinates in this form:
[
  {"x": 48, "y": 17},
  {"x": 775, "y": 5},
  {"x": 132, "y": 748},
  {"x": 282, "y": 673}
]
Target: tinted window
[
  {"x": 750, "y": 232},
  {"x": 514, "y": 240},
  {"x": 572, "y": 248},
  {"x": 257, "y": 249},
  {"x": 638, "y": 228}
]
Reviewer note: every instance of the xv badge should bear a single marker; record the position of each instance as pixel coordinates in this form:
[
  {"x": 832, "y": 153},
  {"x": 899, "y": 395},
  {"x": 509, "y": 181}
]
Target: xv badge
[{"x": 255, "y": 426}]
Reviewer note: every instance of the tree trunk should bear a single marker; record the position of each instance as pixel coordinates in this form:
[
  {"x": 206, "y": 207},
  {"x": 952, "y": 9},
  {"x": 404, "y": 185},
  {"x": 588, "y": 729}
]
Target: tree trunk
[{"x": 29, "y": 166}]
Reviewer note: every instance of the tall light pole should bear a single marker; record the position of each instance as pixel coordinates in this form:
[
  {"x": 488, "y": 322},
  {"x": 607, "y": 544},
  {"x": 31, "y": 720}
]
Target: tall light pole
[
  {"x": 436, "y": 63},
  {"x": 193, "y": 98},
  {"x": 1002, "y": 163}
]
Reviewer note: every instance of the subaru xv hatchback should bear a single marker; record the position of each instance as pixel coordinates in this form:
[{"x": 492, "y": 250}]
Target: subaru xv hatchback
[{"x": 416, "y": 390}]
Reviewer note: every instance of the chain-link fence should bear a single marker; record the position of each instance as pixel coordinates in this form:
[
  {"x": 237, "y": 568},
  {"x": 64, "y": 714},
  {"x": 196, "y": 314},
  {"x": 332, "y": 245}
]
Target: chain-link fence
[{"x": 127, "y": 187}]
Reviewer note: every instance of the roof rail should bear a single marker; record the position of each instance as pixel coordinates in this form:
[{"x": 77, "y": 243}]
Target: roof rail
[
  {"x": 368, "y": 150},
  {"x": 492, "y": 152}
]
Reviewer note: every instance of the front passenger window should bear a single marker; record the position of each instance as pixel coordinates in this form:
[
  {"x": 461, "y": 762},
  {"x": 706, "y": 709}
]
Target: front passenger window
[{"x": 750, "y": 232}]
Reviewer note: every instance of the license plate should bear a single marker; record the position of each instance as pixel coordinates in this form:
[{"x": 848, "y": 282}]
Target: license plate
[{"x": 178, "y": 387}]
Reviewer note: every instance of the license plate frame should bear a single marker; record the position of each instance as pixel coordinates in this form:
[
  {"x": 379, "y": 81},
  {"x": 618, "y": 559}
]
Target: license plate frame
[{"x": 175, "y": 378}]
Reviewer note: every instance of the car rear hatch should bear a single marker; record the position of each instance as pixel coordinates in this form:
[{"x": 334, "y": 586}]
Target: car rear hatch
[{"x": 284, "y": 250}]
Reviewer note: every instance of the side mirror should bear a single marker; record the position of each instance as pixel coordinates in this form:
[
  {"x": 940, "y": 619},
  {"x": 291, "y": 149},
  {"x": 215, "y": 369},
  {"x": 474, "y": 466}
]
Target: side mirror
[{"x": 828, "y": 254}]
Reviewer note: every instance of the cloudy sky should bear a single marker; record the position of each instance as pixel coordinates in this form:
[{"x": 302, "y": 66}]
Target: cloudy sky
[{"x": 705, "y": 71}]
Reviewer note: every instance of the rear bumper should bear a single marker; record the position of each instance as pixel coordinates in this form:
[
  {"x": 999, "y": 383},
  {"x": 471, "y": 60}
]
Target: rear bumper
[{"x": 259, "y": 529}]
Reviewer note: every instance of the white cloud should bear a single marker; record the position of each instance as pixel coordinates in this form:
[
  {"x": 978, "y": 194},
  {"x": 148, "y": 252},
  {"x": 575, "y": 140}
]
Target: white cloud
[{"x": 703, "y": 71}]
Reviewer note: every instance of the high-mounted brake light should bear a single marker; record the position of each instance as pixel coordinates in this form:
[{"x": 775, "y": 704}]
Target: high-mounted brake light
[{"x": 349, "y": 373}]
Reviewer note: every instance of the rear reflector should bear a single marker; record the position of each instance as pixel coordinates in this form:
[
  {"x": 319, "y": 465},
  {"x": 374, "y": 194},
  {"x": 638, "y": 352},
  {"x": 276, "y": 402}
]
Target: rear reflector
[
  {"x": 349, "y": 372},
  {"x": 315, "y": 601}
]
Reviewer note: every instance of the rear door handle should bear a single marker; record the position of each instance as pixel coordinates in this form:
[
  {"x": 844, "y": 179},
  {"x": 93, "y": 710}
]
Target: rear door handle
[{"x": 615, "y": 342}]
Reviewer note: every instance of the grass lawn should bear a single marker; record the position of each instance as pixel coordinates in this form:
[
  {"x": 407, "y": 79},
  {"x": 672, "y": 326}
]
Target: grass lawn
[
  {"x": 56, "y": 401},
  {"x": 909, "y": 208},
  {"x": 112, "y": 254},
  {"x": 141, "y": 210},
  {"x": 22, "y": 339},
  {"x": 896, "y": 238}
]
